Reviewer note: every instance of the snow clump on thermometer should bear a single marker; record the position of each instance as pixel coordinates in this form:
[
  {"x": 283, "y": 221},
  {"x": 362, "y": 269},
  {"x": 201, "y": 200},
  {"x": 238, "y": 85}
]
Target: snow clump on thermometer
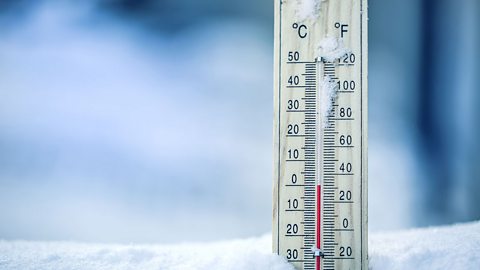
[
  {"x": 308, "y": 9},
  {"x": 328, "y": 94},
  {"x": 329, "y": 50}
]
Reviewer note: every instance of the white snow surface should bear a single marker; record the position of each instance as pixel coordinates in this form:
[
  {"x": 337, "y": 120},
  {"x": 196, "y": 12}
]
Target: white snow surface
[
  {"x": 254, "y": 253},
  {"x": 449, "y": 247}
]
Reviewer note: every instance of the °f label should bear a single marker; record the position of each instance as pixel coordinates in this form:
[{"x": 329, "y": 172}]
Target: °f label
[{"x": 320, "y": 150}]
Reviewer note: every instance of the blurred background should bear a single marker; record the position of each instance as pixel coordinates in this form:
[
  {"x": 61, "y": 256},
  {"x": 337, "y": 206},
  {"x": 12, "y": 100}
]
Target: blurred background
[{"x": 151, "y": 121}]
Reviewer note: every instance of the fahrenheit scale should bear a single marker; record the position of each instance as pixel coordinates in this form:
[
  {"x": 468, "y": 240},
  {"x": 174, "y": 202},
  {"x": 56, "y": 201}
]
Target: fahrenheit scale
[{"x": 320, "y": 126}]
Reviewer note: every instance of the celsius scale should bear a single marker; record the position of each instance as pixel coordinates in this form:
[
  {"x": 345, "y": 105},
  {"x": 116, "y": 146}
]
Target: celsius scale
[{"x": 320, "y": 127}]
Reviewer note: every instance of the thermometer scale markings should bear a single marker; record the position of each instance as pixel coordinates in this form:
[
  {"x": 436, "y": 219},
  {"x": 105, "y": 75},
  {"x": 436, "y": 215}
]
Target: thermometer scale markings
[{"x": 320, "y": 172}]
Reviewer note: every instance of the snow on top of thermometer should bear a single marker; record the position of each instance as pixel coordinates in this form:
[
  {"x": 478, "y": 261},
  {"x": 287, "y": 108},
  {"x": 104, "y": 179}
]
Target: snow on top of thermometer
[
  {"x": 308, "y": 9},
  {"x": 331, "y": 49}
]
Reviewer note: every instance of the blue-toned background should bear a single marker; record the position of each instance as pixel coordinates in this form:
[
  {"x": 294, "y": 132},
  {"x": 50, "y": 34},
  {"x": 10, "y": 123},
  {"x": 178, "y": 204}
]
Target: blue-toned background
[{"x": 151, "y": 121}]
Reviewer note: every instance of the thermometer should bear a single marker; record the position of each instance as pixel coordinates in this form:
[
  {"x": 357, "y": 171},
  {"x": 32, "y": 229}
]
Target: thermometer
[{"x": 320, "y": 133}]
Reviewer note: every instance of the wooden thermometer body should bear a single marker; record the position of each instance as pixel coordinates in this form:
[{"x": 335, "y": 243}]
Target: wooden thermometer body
[{"x": 320, "y": 131}]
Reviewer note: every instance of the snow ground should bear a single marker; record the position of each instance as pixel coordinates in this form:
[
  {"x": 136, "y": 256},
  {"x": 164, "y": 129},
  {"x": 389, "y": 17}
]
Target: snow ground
[
  {"x": 251, "y": 253},
  {"x": 449, "y": 247}
]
